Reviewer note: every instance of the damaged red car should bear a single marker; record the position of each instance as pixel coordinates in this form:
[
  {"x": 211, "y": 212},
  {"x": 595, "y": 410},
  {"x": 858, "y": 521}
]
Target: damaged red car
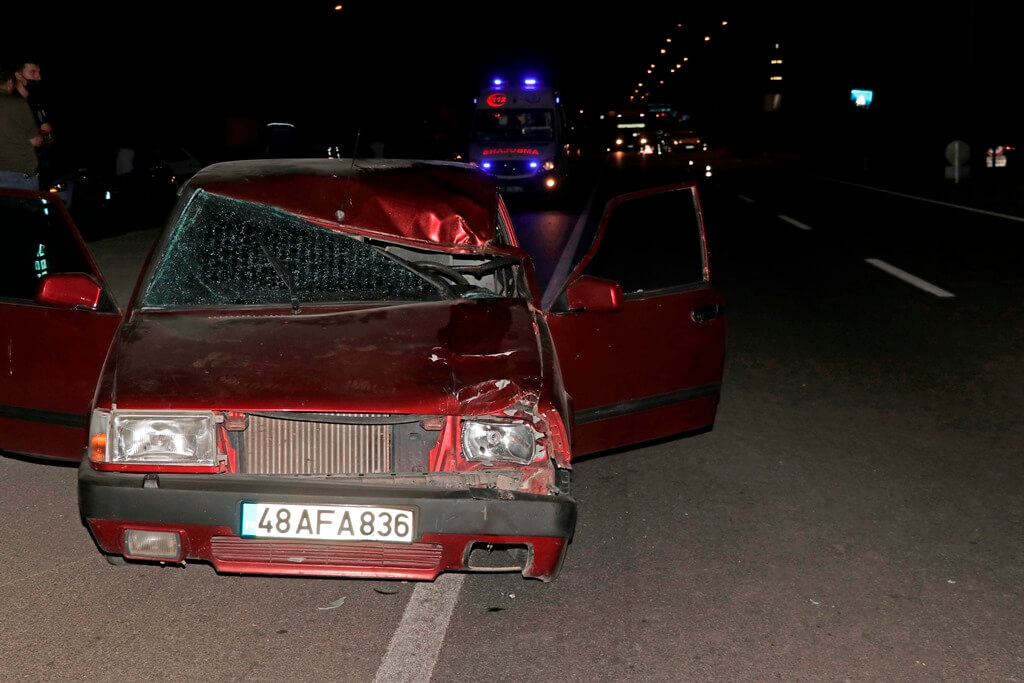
[{"x": 346, "y": 369}]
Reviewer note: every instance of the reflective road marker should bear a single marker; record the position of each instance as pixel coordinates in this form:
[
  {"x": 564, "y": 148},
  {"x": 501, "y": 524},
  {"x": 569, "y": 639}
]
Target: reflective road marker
[
  {"x": 912, "y": 279},
  {"x": 793, "y": 221},
  {"x": 414, "y": 648}
]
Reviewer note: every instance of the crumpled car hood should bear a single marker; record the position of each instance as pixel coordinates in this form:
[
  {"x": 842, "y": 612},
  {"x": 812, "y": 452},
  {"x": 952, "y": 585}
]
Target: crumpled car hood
[{"x": 445, "y": 358}]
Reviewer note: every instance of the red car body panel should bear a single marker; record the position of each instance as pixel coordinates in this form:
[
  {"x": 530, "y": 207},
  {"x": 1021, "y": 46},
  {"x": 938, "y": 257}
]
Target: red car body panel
[
  {"x": 622, "y": 367},
  {"x": 58, "y": 402},
  {"x": 51, "y": 360},
  {"x": 439, "y": 358},
  {"x": 423, "y": 560},
  {"x": 650, "y": 369}
]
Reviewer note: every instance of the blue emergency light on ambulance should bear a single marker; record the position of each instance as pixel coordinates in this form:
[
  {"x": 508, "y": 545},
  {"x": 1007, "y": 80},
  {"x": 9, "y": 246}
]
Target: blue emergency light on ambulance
[{"x": 518, "y": 134}]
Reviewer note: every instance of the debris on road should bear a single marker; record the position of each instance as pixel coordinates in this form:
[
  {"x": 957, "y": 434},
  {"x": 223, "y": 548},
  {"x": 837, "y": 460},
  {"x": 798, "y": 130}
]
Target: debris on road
[{"x": 333, "y": 605}]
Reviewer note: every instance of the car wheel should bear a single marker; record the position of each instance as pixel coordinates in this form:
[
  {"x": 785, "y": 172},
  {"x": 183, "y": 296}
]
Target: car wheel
[{"x": 116, "y": 560}]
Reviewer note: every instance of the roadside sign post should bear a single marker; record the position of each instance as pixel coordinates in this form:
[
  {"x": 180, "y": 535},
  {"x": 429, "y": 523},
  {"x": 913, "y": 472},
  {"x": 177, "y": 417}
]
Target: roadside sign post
[{"x": 958, "y": 153}]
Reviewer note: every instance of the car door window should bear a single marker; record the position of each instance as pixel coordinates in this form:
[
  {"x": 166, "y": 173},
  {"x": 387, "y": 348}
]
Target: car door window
[
  {"x": 651, "y": 243},
  {"x": 37, "y": 241}
]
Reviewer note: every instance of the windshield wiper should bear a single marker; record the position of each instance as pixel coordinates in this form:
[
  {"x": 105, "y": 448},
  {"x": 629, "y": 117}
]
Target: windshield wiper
[
  {"x": 281, "y": 271},
  {"x": 435, "y": 280}
]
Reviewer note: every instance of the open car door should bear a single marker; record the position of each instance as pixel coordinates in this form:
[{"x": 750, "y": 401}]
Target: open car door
[
  {"x": 56, "y": 325},
  {"x": 638, "y": 328}
]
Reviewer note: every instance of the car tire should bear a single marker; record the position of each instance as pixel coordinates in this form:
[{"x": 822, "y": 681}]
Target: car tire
[{"x": 116, "y": 560}]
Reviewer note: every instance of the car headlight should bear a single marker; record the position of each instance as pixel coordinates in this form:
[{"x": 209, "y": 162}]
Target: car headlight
[
  {"x": 494, "y": 441},
  {"x": 549, "y": 166},
  {"x": 155, "y": 438}
]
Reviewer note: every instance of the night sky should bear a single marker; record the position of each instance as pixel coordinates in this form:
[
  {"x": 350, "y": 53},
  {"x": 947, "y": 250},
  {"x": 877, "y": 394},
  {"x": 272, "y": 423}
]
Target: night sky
[{"x": 177, "y": 70}]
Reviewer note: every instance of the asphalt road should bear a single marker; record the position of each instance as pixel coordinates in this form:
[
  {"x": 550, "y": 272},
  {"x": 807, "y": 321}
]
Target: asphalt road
[{"x": 856, "y": 513}]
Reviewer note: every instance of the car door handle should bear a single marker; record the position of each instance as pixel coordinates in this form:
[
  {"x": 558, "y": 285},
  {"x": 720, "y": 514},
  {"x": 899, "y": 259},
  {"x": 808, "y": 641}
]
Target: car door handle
[{"x": 702, "y": 314}]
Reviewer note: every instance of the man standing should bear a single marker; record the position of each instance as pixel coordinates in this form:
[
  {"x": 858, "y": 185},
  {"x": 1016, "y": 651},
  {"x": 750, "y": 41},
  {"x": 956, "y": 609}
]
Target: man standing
[
  {"x": 19, "y": 136},
  {"x": 28, "y": 78}
]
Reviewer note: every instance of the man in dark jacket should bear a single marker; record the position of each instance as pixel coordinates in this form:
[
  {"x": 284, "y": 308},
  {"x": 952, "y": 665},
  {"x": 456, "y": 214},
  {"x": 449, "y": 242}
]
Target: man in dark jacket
[{"x": 19, "y": 136}]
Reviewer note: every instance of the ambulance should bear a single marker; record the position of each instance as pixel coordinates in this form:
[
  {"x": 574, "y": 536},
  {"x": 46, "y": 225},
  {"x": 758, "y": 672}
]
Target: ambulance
[{"x": 519, "y": 135}]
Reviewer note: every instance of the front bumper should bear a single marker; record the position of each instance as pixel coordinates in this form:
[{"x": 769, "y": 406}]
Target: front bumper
[{"x": 205, "y": 511}]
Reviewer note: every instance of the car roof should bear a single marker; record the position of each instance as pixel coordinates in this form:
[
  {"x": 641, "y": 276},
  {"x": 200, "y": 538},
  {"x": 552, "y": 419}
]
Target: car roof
[{"x": 433, "y": 202}]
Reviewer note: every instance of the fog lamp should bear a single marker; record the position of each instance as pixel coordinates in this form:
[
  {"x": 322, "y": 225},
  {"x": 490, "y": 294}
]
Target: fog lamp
[
  {"x": 549, "y": 183},
  {"x": 154, "y": 545}
]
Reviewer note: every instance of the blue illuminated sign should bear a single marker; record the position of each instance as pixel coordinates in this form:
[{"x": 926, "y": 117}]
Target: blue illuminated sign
[{"x": 862, "y": 98}]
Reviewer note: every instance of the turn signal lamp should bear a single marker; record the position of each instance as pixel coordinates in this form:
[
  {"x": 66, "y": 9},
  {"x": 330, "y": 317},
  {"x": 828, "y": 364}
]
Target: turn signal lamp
[{"x": 98, "y": 447}]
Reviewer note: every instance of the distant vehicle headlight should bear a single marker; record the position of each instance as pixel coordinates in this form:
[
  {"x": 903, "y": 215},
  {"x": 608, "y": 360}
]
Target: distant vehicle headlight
[
  {"x": 618, "y": 141},
  {"x": 154, "y": 438},
  {"x": 549, "y": 166},
  {"x": 498, "y": 441}
]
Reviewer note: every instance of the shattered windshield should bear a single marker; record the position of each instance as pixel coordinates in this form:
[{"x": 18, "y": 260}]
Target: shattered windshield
[{"x": 227, "y": 252}]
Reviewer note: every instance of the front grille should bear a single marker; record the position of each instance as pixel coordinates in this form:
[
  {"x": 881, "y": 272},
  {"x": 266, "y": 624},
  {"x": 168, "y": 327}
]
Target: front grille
[
  {"x": 325, "y": 444},
  {"x": 326, "y": 553},
  {"x": 276, "y": 446}
]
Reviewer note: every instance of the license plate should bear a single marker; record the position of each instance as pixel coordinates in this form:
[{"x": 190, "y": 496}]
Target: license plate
[
  {"x": 328, "y": 522},
  {"x": 512, "y": 188}
]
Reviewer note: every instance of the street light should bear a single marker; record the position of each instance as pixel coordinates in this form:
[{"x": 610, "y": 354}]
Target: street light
[{"x": 663, "y": 50}]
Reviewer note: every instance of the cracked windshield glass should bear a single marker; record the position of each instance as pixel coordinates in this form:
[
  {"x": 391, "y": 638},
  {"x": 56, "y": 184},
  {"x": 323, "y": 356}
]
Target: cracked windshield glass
[{"x": 226, "y": 252}]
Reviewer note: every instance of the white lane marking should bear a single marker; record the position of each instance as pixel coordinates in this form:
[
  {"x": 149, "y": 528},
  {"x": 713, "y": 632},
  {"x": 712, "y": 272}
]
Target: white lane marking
[
  {"x": 1007, "y": 216},
  {"x": 912, "y": 279},
  {"x": 793, "y": 221},
  {"x": 747, "y": 199},
  {"x": 414, "y": 648}
]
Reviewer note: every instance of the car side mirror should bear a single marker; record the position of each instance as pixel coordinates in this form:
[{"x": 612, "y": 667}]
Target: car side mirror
[
  {"x": 69, "y": 290},
  {"x": 595, "y": 294}
]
